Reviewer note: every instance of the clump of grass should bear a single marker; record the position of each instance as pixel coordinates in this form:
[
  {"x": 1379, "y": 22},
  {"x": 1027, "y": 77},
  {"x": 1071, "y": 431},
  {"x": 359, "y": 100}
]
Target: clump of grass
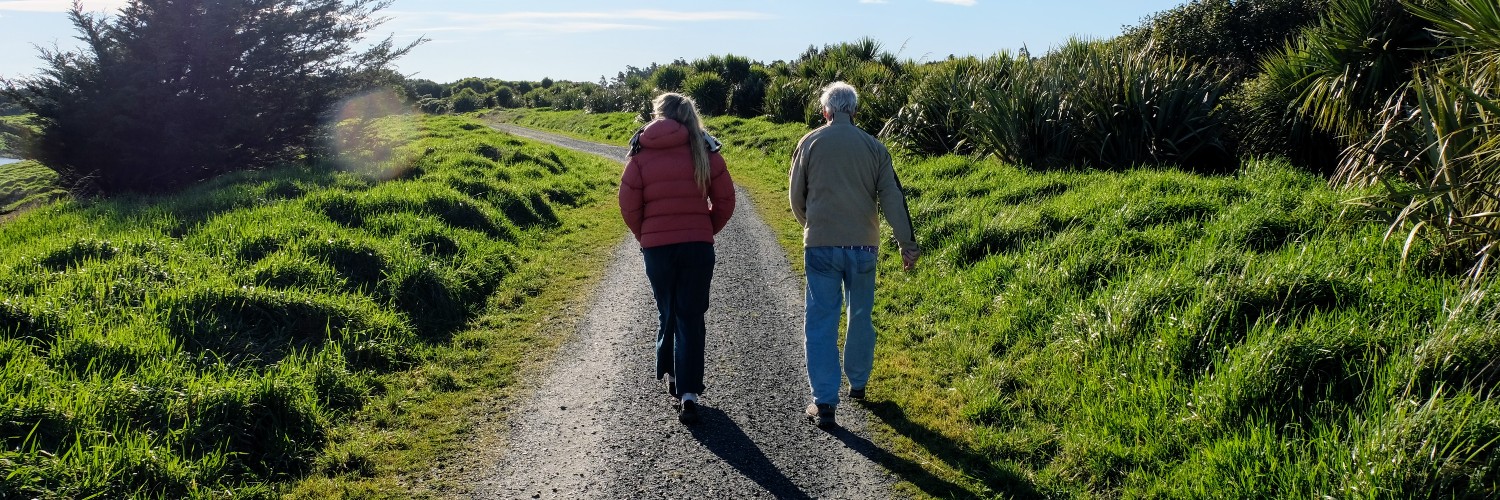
[
  {"x": 77, "y": 252},
  {"x": 24, "y": 320}
]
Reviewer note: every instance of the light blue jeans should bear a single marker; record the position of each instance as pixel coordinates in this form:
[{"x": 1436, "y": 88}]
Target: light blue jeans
[{"x": 836, "y": 275}]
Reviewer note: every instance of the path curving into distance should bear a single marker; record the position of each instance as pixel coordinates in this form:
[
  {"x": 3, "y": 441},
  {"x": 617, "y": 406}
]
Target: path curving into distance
[{"x": 600, "y": 426}]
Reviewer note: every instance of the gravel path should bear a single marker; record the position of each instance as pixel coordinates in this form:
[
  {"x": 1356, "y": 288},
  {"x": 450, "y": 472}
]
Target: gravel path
[{"x": 600, "y": 426}]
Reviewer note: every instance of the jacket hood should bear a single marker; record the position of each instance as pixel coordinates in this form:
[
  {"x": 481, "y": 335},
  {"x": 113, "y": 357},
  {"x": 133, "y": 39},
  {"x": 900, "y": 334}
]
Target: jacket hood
[
  {"x": 666, "y": 133},
  {"x": 661, "y": 134}
]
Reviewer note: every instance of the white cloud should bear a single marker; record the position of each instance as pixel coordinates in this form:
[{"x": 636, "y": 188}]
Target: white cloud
[
  {"x": 965, "y": 3},
  {"x": 61, "y": 5},
  {"x": 563, "y": 22}
]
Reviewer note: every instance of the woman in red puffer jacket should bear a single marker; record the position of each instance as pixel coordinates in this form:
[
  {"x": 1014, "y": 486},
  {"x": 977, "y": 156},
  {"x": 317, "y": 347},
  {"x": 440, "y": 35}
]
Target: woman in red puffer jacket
[{"x": 675, "y": 195}]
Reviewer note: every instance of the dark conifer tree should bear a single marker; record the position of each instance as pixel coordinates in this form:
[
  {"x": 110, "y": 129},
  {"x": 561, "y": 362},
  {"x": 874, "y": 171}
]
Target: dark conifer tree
[{"x": 169, "y": 92}]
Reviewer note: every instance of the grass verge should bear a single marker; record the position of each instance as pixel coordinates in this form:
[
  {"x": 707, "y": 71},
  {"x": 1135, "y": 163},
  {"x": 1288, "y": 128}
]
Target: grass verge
[{"x": 335, "y": 328}]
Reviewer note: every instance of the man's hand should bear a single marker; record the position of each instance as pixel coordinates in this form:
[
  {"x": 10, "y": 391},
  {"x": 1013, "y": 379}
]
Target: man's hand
[{"x": 909, "y": 258}]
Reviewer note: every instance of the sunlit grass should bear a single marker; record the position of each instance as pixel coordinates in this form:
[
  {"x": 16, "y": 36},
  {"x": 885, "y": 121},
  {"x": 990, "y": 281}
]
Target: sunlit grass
[
  {"x": 26, "y": 183},
  {"x": 275, "y": 325}
]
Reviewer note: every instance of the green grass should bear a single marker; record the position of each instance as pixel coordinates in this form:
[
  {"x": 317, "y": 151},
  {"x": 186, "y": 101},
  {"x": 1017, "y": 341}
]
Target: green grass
[
  {"x": 303, "y": 325},
  {"x": 609, "y": 128},
  {"x": 1155, "y": 333},
  {"x": 12, "y": 128},
  {"x": 27, "y": 183}
]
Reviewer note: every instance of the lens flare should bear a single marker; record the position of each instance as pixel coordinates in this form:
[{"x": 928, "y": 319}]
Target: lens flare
[{"x": 367, "y": 134}]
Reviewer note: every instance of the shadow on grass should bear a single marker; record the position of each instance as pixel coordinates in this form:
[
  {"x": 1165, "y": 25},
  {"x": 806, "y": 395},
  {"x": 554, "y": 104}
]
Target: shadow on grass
[
  {"x": 1005, "y": 483},
  {"x": 721, "y": 435},
  {"x": 903, "y": 468}
]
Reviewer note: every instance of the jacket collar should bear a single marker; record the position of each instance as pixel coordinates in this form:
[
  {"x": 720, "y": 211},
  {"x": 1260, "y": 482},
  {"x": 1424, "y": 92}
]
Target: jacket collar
[
  {"x": 636, "y": 142},
  {"x": 841, "y": 119}
]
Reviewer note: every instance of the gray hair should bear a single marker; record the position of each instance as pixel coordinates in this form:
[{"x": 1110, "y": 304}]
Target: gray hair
[{"x": 839, "y": 97}]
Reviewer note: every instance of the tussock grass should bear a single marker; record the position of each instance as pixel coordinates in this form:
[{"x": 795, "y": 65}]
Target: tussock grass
[
  {"x": 1156, "y": 333},
  {"x": 249, "y": 332}
]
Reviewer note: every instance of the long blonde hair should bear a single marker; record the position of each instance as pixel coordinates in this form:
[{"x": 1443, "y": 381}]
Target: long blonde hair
[{"x": 682, "y": 109}]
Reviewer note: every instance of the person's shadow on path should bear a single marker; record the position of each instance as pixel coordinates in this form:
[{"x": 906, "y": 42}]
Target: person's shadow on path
[
  {"x": 1012, "y": 485},
  {"x": 721, "y": 435},
  {"x": 901, "y": 467}
]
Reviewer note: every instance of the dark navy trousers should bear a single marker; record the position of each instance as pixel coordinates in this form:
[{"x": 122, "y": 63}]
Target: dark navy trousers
[{"x": 680, "y": 275}]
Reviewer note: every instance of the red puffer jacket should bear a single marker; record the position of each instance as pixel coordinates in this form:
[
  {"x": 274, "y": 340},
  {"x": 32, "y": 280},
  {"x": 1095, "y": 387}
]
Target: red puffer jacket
[{"x": 658, "y": 196}]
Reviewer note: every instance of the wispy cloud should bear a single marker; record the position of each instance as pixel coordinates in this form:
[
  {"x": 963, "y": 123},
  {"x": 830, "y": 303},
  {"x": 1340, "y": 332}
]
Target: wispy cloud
[
  {"x": 565, "y": 22},
  {"x": 965, "y": 3},
  {"x": 60, "y": 5}
]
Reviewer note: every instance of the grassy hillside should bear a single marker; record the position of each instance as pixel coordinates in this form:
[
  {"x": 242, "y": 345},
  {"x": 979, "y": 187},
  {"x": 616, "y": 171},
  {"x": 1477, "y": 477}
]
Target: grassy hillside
[
  {"x": 11, "y": 129},
  {"x": 1154, "y": 333},
  {"x": 285, "y": 324},
  {"x": 26, "y": 183}
]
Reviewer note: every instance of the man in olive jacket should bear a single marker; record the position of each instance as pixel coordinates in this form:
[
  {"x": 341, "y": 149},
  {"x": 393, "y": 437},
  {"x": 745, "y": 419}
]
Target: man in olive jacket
[{"x": 842, "y": 180}]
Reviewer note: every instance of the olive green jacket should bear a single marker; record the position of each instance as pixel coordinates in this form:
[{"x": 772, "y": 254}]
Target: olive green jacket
[{"x": 842, "y": 179}]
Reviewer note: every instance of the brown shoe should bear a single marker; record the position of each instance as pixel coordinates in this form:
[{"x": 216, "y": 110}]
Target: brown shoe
[{"x": 821, "y": 415}]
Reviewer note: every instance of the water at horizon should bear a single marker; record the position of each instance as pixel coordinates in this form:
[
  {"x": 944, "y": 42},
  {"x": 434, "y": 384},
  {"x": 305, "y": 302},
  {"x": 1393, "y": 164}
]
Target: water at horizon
[{"x": 4, "y": 161}]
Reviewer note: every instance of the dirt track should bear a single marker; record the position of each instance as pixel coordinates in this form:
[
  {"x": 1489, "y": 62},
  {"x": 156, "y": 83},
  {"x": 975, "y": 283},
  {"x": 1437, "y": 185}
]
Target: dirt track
[{"x": 600, "y": 426}]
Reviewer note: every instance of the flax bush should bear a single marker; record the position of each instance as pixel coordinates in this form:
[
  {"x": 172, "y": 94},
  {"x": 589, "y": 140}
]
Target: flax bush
[{"x": 1096, "y": 104}]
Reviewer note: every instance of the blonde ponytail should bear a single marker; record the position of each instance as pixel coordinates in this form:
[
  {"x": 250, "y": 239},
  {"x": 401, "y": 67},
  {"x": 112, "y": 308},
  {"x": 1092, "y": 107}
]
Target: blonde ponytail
[{"x": 682, "y": 109}]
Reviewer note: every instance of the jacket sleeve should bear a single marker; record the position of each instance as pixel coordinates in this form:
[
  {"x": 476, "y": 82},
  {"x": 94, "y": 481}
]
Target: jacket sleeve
[
  {"x": 720, "y": 194},
  {"x": 893, "y": 203},
  {"x": 797, "y": 183},
  {"x": 632, "y": 198}
]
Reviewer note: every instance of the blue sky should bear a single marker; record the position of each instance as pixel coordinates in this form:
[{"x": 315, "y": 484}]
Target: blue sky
[{"x": 583, "y": 40}]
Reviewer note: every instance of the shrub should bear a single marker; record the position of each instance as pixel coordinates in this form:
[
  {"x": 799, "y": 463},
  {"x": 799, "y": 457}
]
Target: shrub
[
  {"x": 736, "y": 69},
  {"x": 938, "y": 117},
  {"x": 465, "y": 101},
  {"x": 1356, "y": 60},
  {"x": 1434, "y": 141},
  {"x": 669, "y": 78},
  {"x": 1100, "y": 105},
  {"x": 505, "y": 97},
  {"x": 1023, "y": 117},
  {"x": 791, "y": 100},
  {"x": 1136, "y": 109},
  {"x": 709, "y": 91},
  {"x": 1264, "y": 118},
  {"x": 1233, "y": 34},
  {"x": 748, "y": 98}
]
